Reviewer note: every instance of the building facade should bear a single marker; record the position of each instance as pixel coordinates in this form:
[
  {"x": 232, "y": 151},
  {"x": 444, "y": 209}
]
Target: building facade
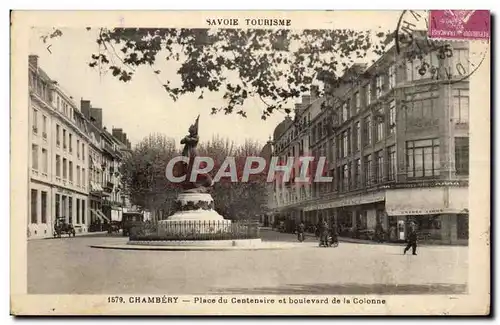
[
  {"x": 74, "y": 165},
  {"x": 395, "y": 137},
  {"x": 107, "y": 151},
  {"x": 58, "y": 165}
]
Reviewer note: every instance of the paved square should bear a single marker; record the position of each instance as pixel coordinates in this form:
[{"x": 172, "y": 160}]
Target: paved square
[{"x": 71, "y": 266}]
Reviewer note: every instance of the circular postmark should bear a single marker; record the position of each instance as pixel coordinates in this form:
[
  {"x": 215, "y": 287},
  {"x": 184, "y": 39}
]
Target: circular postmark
[{"x": 440, "y": 59}]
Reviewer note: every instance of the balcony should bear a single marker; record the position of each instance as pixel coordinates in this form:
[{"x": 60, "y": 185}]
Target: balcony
[
  {"x": 113, "y": 204},
  {"x": 108, "y": 187},
  {"x": 110, "y": 150}
]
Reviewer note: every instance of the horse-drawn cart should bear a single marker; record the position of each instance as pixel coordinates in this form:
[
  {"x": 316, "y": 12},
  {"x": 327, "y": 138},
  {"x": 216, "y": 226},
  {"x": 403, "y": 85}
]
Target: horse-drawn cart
[{"x": 62, "y": 227}]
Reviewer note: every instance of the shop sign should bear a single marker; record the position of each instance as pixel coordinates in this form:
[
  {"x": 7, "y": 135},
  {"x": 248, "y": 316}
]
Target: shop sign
[
  {"x": 415, "y": 211},
  {"x": 64, "y": 191},
  {"x": 435, "y": 183},
  {"x": 409, "y": 212}
]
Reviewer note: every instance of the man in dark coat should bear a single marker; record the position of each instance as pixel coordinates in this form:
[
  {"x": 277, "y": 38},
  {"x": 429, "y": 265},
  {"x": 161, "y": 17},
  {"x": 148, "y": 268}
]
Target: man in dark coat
[
  {"x": 323, "y": 234},
  {"x": 334, "y": 233},
  {"x": 300, "y": 231},
  {"x": 412, "y": 241}
]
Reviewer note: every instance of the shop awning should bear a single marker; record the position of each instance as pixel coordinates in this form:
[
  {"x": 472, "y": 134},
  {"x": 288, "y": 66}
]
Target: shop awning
[
  {"x": 95, "y": 187},
  {"x": 99, "y": 215},
  {"x": 425, "y": 201},
  {"x": 349, "y": 200}
]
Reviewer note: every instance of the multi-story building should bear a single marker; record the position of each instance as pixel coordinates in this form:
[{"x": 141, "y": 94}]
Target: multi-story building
[
  {"x": 125, "y": 148},
  {"x": 396, "y": 140},
  {"x": 58, "y": 172},
  {"x": 107, "y": 198}
]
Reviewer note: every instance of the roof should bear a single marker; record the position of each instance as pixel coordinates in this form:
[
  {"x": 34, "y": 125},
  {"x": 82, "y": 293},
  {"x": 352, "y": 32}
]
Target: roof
[{"x": 282, "y": 127}]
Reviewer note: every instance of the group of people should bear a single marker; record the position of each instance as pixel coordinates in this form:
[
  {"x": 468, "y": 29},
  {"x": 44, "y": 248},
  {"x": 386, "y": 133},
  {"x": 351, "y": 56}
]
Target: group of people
[{"x": 327, "y": 234}]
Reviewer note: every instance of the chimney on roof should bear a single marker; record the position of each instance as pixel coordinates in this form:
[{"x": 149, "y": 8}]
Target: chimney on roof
[
  {"x": 33, "y": 61},
  {"x": 96, "y": 114},
  {"x": 118, "y": 134},
  {"x": 85, "y": 108},
  {"x": 298, "y": 109},
  {"x": 306, "y": 99}
]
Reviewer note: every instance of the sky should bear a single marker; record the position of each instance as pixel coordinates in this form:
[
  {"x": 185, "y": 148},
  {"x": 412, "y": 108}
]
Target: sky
[{"x": 141, "y": 106}]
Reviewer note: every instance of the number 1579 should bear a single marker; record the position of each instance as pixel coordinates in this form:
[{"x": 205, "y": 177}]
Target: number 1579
[{"x": 115, "y": 300}]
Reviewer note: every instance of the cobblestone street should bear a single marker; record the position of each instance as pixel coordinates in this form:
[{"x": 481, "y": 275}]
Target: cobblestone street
[{"x": 71, "y": 266}]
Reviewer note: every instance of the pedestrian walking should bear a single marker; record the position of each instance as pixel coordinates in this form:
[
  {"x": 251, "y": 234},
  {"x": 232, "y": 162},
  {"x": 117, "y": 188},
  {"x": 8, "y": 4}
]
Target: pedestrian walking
[
  {"x": 412, "y": 242},
  {"x": 323, "y": 236},
  {"x": 379, "y": 232},
  {"x": 300, "y": 231},
  {"x": 334, "y": 234}
]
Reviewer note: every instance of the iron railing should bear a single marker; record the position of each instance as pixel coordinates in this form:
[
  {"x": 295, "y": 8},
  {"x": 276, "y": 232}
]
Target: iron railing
[{"x": 195, "y": 230}]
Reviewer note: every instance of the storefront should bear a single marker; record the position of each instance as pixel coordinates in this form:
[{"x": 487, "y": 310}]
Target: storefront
[
  {"x": 350, "y": 212},
  {"x": 440, "y": 214}
]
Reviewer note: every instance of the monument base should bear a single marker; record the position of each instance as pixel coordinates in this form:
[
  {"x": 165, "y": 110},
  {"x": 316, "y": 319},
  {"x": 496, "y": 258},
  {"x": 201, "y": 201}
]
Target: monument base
[{"x": 195, "y": 215}]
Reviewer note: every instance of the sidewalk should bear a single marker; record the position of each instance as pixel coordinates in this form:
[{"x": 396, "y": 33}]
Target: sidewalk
[
  {"x": 371, "y": 242},
  {"x": 83, "y": 234}
]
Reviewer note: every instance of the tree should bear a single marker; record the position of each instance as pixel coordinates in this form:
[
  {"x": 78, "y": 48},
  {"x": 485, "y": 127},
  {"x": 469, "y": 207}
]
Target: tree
[
  {"x": 275, "y": 66},
  {"x": 237, "y": 200},
  {"x": 144, "y": 172},
  {"x": 144, "y": 175}
]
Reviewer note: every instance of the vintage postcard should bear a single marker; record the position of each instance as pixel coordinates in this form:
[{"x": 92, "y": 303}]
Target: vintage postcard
[{"x": 250, "y": 163}]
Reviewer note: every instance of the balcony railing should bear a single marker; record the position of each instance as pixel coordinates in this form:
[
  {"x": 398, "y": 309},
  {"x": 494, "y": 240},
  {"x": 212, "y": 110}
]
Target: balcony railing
[{"x": 112, "y": 203}]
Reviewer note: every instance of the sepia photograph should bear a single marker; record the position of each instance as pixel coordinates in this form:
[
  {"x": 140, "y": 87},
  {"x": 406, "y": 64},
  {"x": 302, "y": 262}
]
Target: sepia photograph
[{"x": 322, "y": 162}]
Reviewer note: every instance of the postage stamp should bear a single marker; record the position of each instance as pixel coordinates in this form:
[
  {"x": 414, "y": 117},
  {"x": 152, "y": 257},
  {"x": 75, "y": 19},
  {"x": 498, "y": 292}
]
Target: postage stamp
[
  {"x": 459, "y": 24},
  {"x": 250, "y": 163},
  {"x": 448, "y": 59}
]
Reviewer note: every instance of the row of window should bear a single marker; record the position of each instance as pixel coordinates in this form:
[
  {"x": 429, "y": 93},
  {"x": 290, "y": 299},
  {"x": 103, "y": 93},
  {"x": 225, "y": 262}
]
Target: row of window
[
  {"x": 67, "y": 143},
  {"x": 67, "y": 171},
  {"x": 349, "y": 174},
  {"x": 64, "y": 107},
  {"x": 430, "y": 66},
  {"x": 39, "y": 86},
  {"x": 35, "y": 126},
  {"x": 63, "y": 208},
  {"x": 291, "y": 196},
  {"x": 416, "y": 111},
  {"x": 384, "y": 82},
  {"x": 67, "y": 137},
  {"x": 293, "y": 133},
  {"x": 34, "y": 207},
  {"x": 362, "y": 136},
  {"x": 375, "y": 89},
  {"x": 422, "y": 161},
  {"x": 64, "y": 167}
]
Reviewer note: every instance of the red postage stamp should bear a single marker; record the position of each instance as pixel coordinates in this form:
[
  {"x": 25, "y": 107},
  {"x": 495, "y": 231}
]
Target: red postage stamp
[{"x": 459, "y": 24}]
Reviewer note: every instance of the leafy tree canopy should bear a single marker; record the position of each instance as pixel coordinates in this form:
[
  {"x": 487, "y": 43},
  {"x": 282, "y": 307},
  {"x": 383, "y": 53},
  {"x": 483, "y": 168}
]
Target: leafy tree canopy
[{"x": 273, "y": 65}]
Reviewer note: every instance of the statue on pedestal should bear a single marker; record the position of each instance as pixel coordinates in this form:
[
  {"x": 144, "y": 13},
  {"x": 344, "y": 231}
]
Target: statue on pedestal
[{"x": 203, "y": 181}]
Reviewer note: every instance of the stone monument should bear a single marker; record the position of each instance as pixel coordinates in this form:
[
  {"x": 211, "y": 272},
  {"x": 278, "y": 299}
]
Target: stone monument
[{"x": 195, "y": 213}]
